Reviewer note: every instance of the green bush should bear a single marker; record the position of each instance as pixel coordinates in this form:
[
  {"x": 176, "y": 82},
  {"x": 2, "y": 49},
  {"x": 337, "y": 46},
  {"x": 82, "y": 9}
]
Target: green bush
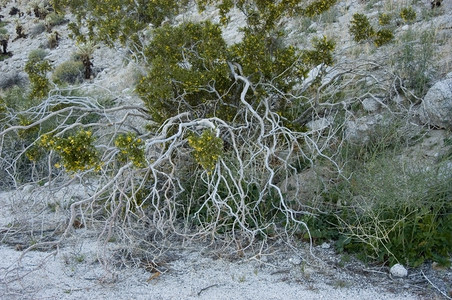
[
  {"x": 114, "y": 20},
  {"x": 360, "y": 28},
  {"x": 37, "y": 29},
  {"x": 414, "y": 60},
  {"x": 384, "y": 19},
  {"x": 54, "y": 19},
  {"x": 383, "y": 36},
  {"x": 397, "y": 212},
  {"x": 36, "y": 68},
  {"x": 37, "y": 54},
  {"x": 76, "y": 151},
  {"x": 131, "y": 149},
  {"x": 68, "y": 72},
  {"x": 187, "y": 59},
  {"x": 318, "y": 7},
  {"x": 207, "y": 149},
  {"x": 183, "y": 61},
  {"x": 322, "y": 53},
  {"x": 408, "y": 14}
]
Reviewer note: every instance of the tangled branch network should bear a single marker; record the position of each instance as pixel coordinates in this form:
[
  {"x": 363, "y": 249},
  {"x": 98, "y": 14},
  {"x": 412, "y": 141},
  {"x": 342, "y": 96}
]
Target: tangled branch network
[{"x": 158, "y": 184}]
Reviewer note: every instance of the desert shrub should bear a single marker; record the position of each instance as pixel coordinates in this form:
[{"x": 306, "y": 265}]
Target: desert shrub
[
  {"x": 318, "y": 7},
  {"x": 360, "y": 28},
  {"x": 37, "y": 67},
  {"x": 264, "y": 16},
  {"x": 10, "y": 80},
  {"x": 384, "y": 19},
  {"x": 408, "y": 14},
  {"x": 184, "y": 59},
  {"x": 383, "y": 36},
  {"x": 131, "y": 149},
  {"x": 15, "y": 98},
  {"x": 68, "y": 72},
  {"x": 52, "y": 40},
  {"x": 37, "y": 54},
  {"x": 77, "y": 151},
  {"x": 207, "y": 149},
  {"x": 4, "y": 37},
  {"x": 322, "y": 52},
  {"x": 111, "y": 21},
  {"x": 37, "y": 29},
  {"x": 220, "y": 112},
  {"x": 414, "y": 60},
  {"x": 54, "y": 19},
  {"x": 400, "y": 213},
  {"x": 389, "y": 209}
]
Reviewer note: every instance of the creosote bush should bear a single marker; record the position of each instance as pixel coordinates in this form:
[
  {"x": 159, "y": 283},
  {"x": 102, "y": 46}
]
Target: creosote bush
[
  {"x": 76, "y": 151},
  {"x": 227, "y": 132},
  {"x": 384, "y": 19},
  {"x": 37, "y": 67},
  {"x": 322, "y": 52},
  {"x": 408, "y": 14},
  {"x": 360, "y": 28},
  {"x": 131, "y": 149},
  {"x": 383, "y": 36},
  {"x": 207, "y": 149},
  {"x": 189, "y": 63}
]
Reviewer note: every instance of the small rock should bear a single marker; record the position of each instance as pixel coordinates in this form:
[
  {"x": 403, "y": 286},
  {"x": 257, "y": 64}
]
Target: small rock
[
  {"x": 437, "y": 104},
  {"x": 325, "y": 245},
  {"x": 28, "y": 189},
  {"x": 398, "y": 270},
  {"x": 370, "y": 105},
  {"x": 319, "y": 124}
]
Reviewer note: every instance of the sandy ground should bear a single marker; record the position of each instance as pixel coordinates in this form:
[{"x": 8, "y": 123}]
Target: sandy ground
[
  {"x": 69, "y": 275},
  {"x": 73, "y": 269}
]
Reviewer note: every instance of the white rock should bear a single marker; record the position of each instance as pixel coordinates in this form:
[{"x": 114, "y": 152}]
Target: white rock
[
  {"x": 437, "y": 104},
  {"x": 28, "y": 189},
  {"x": 398, "y": 270},
  {"x": 325, "y": 245},
  {"x": 319, "y": 124},
  {"x": 370, "y": 105},
  {"x": 360, "y": 129}
]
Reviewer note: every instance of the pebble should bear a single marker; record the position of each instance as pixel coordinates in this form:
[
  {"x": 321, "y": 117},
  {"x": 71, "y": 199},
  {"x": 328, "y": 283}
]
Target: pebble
[
  {"x": 325, "y": 245},
  {"x": 398, "y": 270}
]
